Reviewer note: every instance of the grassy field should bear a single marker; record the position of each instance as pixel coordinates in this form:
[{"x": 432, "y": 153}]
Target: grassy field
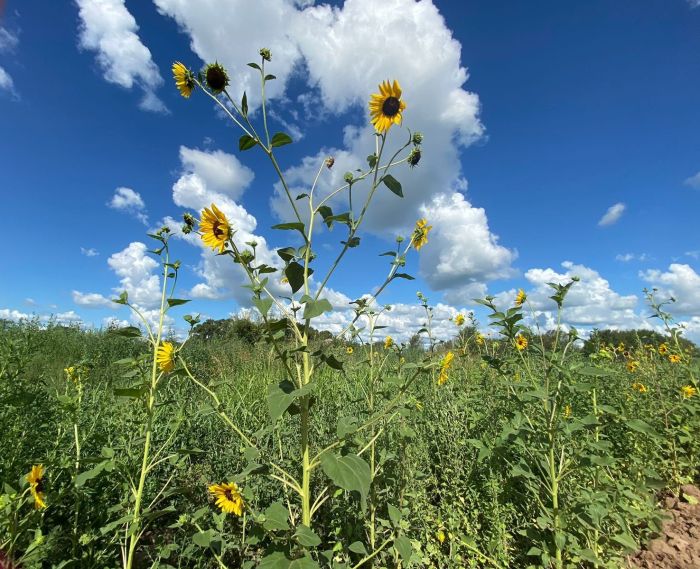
[{"x": 518, "y": 458}]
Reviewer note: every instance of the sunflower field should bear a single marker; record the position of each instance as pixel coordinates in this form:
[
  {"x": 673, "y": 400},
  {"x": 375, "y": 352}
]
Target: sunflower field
[{"x": 267, "y": 443}]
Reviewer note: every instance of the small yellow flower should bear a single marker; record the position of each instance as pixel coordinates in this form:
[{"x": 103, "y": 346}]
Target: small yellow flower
[
  {"x": 459, "y": 319},
  {"x": 520, "y": 298},
  {"x": 184, "y": 79},
  {"x": 402, "y": 360},
  {"x": 386, "y": 107},
  {"x": 632, "y": 366},
  {"x": 445, "y": 365},
  {"x": 70, "y": 373},
  {"x": 663, "y": 349},
  {"x": 674, "y": 358},
  {"x": 349, "y": 350},
  {"x": 521, "y": 343},
  {"x": 420, "y": 233},
  {"x": 479, "y": 339},
  {"x": 621, "y": 347},
  {"x": 639, "y": 387},
  {"x": 165, "y": 356},
  {"x": 388, "y": 342},
  {"x": 688, "y": 391},
  {"x": 228, "y": 497},
  {"x": 567, "y": 411},
  {"x": 441, "y": 536},
  {"x": 215, "y": 228},
  {"x": 35, "y": 478}
]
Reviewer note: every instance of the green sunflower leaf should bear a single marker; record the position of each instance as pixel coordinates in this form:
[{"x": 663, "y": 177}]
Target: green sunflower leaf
[
  {"x": 280, "y": 139},
  {"x": 314, "y": 308},
  {"x": 244, "y": 104},
  {"x": 348, "y": 472},
  {"x": 176, "y": 302},
  {"x": 246, "y": 142},
  {"x": 393, "y": 184}
]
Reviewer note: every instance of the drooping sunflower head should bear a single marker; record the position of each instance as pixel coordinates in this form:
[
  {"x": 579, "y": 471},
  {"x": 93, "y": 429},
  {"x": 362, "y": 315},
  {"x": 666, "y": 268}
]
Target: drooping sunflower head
[
  {"x": 184, "y": 79},
  {"x": 216, "y": 77},
  {"x": 520, "y": 297},
  {"x": 521, "y": 343},
  {"x": 420, "y": 233},
  {"x": 386, "y": 107},
  {"x": 165, "y": 356},
  {"x": 459, "y": 319},
  {"x": 228, "y": 497},
  {"x": 688, "y": 391},
  {"x": 388, "y": 342},
  {"x": 35, "y": 478},
  {"x": 215, "y": 228}
]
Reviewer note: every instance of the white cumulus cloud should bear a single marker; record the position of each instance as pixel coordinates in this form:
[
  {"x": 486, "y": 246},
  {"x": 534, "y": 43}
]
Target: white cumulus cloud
[
  {"x": 612, "y": 215},
  {"x": 693, "y": 181},
  {"x": 109, "y": 29},
  {"x": 91, "y": 300},
  {"x": 681, "y": 282},
  {"x": 131, "y": 202}
]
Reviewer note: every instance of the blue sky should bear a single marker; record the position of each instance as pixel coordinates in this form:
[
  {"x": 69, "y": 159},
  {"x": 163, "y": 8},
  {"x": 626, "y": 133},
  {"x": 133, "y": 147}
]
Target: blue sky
[{"x": 539, "y": 117}]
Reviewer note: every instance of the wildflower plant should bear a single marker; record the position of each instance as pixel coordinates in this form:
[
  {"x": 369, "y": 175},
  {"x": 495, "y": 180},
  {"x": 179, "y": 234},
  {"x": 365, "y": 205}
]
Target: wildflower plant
[{"x": 348, "y": 461}]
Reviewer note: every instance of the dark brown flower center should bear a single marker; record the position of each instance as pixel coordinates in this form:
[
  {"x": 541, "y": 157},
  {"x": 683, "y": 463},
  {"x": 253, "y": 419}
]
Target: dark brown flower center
[
  {"x": 391, "y": 107},
  {"x": 228, "y": 494},
  {"x": 216, "y": 230},
  {"x": 216, "y": 78},
  {"x": 39, "y": 485}
]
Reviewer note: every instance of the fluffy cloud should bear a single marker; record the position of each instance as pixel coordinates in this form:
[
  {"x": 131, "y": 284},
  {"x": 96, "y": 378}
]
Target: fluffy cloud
[
  {"x": 7, "y": 84},
  {"x": 8, "y": 40},
  {"x": 461, "y": 253},
  {"x": 590, "y": 303},
  {"x": 681, "y": 282},
  {"x": 693, "y": 181},
  {"x": 109, "y": 29},
  {"x": 612, "y": 215},
  {"x": 627, "y": 257},
  {"x": 91, "y": 300},
  {"x": 131, "y": 202}
]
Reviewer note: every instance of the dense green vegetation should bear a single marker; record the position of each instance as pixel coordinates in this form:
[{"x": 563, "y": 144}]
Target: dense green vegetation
[{"x": 463, "y": 474}]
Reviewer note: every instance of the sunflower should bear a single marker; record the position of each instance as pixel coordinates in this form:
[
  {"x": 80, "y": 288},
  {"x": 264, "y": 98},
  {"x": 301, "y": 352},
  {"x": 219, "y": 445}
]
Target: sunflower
[
  {"x": 632, "y": 366},
  {"x": 349, "y": 350},
  {"x": 567, "y": 411},
  {"x": 479, "y": 339},
  {"x": 184, "y": 79},
  {"x": 639, "y": 387},
  {"x": 663, "y": 349},
  {"x": 228, "y": 497},
  {"x": 388, "y": 342},
  {"x": 521, "y": 343},
  {"x": 215, "y": 228},
  {"x": 386, "y": 106},
  {"x": 165, "y": 356},
  {"x": 420, "y": 233},
  {"x": 459, "y": 319},
  {"x": 688, "y": 391},
  {"x": 445, "y": 365},
  {"x": 674, "y": 358},
  {"x": 216, "y": 77},
  {"x": 36, "y": 486},
  {"x": 520, "y": 298}
]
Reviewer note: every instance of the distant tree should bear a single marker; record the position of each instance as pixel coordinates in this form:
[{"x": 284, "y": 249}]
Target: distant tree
[{"x": 631, "y": 339}]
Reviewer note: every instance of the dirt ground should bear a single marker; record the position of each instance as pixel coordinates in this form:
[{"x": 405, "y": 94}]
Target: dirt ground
[{"x": 678, "y": 546}]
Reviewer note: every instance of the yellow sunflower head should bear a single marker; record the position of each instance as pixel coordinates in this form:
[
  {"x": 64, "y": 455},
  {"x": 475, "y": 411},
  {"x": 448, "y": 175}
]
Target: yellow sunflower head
[
  {"x": 521, "y": 343},
  {"x": 349, "y": 350},
  {"x": 663, "y": 349},
  {"x": 228, "y": 497},
  {"x": 632, "y": 366},
  {"x": 674, "y": 358},
  {"x": 386, "y": 107},
  {"x": 35, "y": 478},
  {"x": 184, "y": 79},
  {"x": 388, "y": 342},
  {"x": 639, "y": 387},
  {"x": 688, "y": 391},
  {"x": 520, "y": 298},
  {"x": 479, "y": 339},
  {"x": 459, "y": 319},
  {"x": 215, "y": 228},
  {"x": 420, "y": 233},
  {"x": 165, "y": 356}
]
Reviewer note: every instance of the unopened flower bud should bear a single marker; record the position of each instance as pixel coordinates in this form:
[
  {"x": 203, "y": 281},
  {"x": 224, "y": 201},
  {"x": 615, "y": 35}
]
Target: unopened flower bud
[
  {"x": 417, "y": 138},
  {"x": 266, "y": 54},
  {"x": 348, "y": 177}
]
